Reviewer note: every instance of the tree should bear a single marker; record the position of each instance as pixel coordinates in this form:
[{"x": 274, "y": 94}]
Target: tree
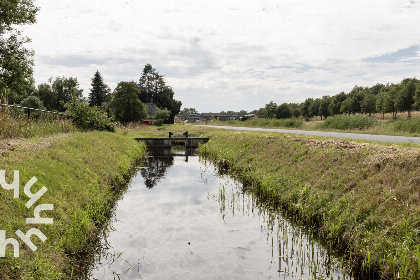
[
  {"x": 417, "y": 98},
  {"x": 283, "y": 111},
  {"x": 260, "y": 113},
  {"x": 314, "y": 108},
  {"x": 305, "y": 108},
  {"x": 324, "y": 107},
  {"x": 126, "y": 103},
  {"x": 389, "y": 101},
  {"x": 335, "y": 103},
  {"x": 188, "y": 111},
  {"x": 368, "y": 105},
  {"x": 15, "y": 60},
  {"x": 296, "y": 112},
  {"x": 380, "y": 103},
  {"x": 270, "y": 110},
  {"x": 405, "y": 97},
  {"x": 161, "y": 115},
  {"x": 55, "y": 93},
  {"x": 153, "y": 85},
  {"x": 100, "y": 92}
]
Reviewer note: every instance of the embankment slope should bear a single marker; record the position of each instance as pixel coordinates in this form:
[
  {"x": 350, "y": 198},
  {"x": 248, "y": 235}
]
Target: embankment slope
[
  {"x": 84, "y": 173},
  {"x": 363, "y": 198}
]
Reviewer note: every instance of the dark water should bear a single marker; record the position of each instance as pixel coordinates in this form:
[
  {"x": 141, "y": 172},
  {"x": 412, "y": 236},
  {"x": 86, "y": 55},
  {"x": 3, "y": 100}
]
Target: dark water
[{"x": 179, "y": 219}]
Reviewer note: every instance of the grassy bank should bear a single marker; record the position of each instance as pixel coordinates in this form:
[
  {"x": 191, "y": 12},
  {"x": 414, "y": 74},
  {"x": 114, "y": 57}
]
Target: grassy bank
[
  {"x": 362, "y": 198},
  {"x": 83, "y": 173}
]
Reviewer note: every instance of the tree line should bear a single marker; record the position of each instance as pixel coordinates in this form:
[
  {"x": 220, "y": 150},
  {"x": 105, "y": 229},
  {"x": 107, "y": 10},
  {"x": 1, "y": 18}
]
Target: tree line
[
  {"x": 380, "y": 98},
  {"x": 126, "y": 103}
]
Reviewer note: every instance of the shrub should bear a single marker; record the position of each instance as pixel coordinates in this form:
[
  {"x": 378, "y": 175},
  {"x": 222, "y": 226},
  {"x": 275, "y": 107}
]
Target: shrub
[
  {"x": 86, "y": 117},
  {"x": 161, "y": 115},
  {"x": 348, "y": 122},
  {"x": 32, "y": 102}
]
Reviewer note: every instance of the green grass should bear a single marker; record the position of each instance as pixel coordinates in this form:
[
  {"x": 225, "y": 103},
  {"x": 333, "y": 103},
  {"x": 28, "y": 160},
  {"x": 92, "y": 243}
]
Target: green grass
[
  {"x": 84, "y": 173},
  {"x": 361, "y": 198},
  {"x": 411, "y": 125}
]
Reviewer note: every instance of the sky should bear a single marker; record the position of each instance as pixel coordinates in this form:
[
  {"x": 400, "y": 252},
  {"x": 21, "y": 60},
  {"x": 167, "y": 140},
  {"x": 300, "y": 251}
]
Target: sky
[{"x": 230, "y": 55}]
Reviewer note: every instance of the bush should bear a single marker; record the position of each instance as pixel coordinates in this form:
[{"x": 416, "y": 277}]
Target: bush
[
  {"x": 348, "y": 122},
  {"x": 161, "y": 115},
  {"x": 32, "y": 102},
  {"x": 86, "y": 117}
]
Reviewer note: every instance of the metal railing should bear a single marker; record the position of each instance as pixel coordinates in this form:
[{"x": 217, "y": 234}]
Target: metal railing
[{"x": 33, "y": 109}]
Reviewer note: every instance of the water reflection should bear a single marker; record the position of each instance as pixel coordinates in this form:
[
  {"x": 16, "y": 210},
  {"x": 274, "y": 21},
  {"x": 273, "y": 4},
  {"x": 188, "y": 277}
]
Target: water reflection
[
  {"x": 296, "y": 254},
  {"x": 159, "y": 160},
  {"x": 198, "y": 224}
]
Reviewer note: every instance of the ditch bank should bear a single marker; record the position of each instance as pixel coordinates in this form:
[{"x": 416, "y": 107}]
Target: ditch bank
[
  {"x": 360, "y": 198},
  {"x": 84, "y": 174}
]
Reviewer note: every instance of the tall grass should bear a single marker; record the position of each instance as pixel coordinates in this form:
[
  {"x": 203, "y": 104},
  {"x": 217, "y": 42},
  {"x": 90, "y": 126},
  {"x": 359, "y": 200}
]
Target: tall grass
[
  {"x": 348, "y": 122},
  {"x": 411, "y": 125},
  {"x": 15, "y": 123},
  {"x": 261, "y": 122}
]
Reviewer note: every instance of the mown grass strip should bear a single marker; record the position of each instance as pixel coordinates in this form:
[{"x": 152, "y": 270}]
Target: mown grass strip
[
  {"x": 84, "y": 173},
  {"x": 362, "y": 198}
]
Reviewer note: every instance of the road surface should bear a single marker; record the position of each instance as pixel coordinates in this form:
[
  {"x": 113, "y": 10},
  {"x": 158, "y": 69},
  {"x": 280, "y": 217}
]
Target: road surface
[{"x": 368, "y": 137}]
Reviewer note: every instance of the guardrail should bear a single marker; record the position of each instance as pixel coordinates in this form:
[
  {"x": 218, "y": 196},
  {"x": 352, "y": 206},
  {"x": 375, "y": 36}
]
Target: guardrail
[{"x": 33, "y": 109}]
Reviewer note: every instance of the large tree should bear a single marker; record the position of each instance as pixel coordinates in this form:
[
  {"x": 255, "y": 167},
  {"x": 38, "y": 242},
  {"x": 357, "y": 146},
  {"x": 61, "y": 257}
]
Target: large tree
[
  {"x": 405, "y": 96},
  {"x": 15, "y": 60},
  {"x": 368, "y": 105},
  {"x": 270, "y": 110},
  {"x": 100, "y": 92},
  {"x": 153, "y": 86},
  {"x": 283, "y": 111},
  {"x": 126, "y": 103}
]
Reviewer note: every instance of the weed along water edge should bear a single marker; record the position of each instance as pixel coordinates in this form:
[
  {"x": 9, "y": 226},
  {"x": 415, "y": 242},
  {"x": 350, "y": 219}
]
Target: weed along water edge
[{"x": 181, "y": 219}]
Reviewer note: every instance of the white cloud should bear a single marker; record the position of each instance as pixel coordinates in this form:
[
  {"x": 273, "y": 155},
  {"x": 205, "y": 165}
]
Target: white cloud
[{"x": 230, "y": 54}]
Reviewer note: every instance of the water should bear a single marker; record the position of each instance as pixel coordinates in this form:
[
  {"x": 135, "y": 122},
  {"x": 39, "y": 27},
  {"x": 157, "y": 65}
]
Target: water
[{"x": 180, "y": 219}]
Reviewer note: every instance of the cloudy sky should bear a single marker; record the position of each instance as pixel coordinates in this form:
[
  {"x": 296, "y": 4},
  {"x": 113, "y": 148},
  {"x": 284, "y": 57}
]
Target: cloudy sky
[{"x": 230, "y": 54}]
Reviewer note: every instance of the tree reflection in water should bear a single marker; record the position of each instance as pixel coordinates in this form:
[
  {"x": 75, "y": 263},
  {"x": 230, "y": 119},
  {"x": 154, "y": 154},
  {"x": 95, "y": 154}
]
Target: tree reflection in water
[
  {"x": 160, "y": 159},
  {"x": 156, "y": 166}
]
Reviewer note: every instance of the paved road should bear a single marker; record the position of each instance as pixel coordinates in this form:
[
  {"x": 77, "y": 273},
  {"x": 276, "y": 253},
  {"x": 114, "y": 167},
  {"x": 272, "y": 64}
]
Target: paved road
[{"x": 368, "y": 137}]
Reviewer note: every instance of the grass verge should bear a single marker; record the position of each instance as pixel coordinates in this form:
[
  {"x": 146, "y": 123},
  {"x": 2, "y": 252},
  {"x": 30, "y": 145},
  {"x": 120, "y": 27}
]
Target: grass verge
[
  {"x": 83, "y": 172},
  {"x": 361, "y": 198}
]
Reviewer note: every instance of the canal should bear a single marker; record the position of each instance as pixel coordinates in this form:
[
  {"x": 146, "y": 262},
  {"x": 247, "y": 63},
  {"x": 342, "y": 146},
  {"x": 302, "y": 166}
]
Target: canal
[{"x": 181, "y": 219}]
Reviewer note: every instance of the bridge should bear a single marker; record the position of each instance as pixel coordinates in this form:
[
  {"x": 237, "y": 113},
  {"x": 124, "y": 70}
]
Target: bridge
[{"x": 190, "y": 142}]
